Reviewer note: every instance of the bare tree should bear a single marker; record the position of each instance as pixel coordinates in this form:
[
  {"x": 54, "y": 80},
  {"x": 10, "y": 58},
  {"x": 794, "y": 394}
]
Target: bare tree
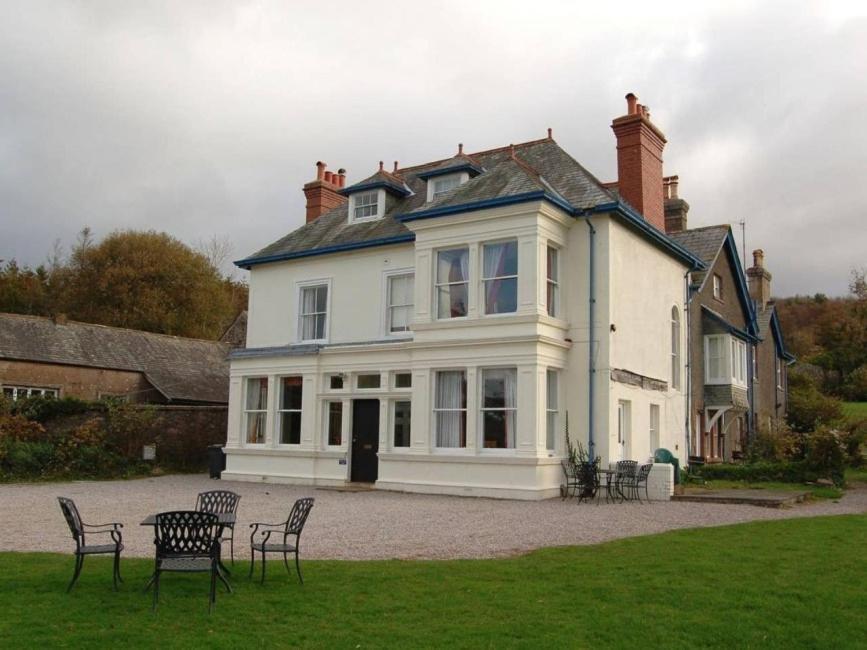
[
  {"x": 858, "y": 285},
  {"x": 218, "y": 251}
]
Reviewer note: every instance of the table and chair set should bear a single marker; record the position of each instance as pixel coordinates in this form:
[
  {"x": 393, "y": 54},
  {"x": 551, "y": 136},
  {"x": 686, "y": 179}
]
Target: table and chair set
[
  {"x": 191, "y": 541},
  {"x": 625, "y": 480}
]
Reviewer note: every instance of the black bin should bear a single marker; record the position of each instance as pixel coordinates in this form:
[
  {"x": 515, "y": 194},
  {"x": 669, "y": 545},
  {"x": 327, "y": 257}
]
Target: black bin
[{"x": 216, "y": 460}]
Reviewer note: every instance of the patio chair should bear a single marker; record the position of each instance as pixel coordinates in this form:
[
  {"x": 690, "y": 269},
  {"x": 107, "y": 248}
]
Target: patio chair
[
  {"x": 625, "y": 470},
  {"x": 292, "y": 526},
  {"x": 588, "y": 480},
  {"x": 80, "y": 531},
  {"x": 218, "y": 502},
  {"x": 570, "y": 472},
  {"x": 634, "y": 483},
  {"x": 188, "y": 541}
]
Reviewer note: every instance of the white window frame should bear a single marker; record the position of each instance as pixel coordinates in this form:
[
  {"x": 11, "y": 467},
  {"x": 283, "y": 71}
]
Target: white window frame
[
  {"x": 552, "y": 414},
  {"x": 393, "y": 422},
  {"x": 388, "y": 276},
  {"x": 280, "y": 410},
  {"x": 733, "y": 361},
  {"x": 309, "y": 284},
  {"x": 482, "y": 410},
  {"x": 437, "y": 284},
  {"x": 380, "y": 205},
  {"x": 359, "y": 375},
  {"x": 483, "y": 294},
  {"x": 394, "y": 375},
  {"x": 327, "y": 426},
  {"x": 462, "y": 177},
  {"x": 23, "y": 392},
  {"x": 717, "y": 287},
  {"x": 329, "y": 376},
  {"x": 653, "y": 427},
  {"x": 552, "y": 285},
  {"x": 247, "y": 411},
  {"x": 464, "y": 410}
]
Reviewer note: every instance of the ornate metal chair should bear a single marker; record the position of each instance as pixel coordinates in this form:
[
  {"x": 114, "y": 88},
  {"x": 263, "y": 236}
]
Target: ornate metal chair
[
  {"x": 625, "y": 471},
  {"x": 292, "y": 526},
  {"x": 634, "y": 483},
  {"x": 81, "y": 530},
  {"x": 570, "y": 472},
  {"x": 218, "y": 502},
  {"x": 188, "y": 541}
]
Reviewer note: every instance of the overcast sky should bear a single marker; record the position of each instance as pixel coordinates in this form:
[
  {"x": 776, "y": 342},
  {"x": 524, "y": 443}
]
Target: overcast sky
[{"x": 205, "y": 119}]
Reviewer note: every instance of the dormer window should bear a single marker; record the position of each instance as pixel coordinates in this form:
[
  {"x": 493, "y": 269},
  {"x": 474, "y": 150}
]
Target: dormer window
[
  {"x": 439, "y": 185},
  {"x": 366, "y": 206}
]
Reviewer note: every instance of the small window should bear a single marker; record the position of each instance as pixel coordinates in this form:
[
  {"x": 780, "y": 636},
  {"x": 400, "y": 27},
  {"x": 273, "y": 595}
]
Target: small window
[
  {"x": 499, "y": 398},
  {"x": 403, "y": 380},
  {"x": 444, "y": 185},
  {"x": 500, "y": 277},
  {"x": 654, "y": 428},
  {"x": 402, "y": 417},
  {"x": 290, "y": 410},
  {"x": 313, "y": 312},
  {"x": 452, "y": 282},
  {"x": 255, "y": 409},
  {"x": 450, "y": 408},
  {"x": 369, "y": 381},
  {"x": 335, "y": 424},
  {"x": 365, "y": 205},
  {"x": 717, "y": 287},
  {"x": 552, "y": 297},
  {"x": 552, "y": 411},
  {"x": 22, "y": 392},
  {"x": 335, "y": 382},
  {"x": 399, "y": 302}
]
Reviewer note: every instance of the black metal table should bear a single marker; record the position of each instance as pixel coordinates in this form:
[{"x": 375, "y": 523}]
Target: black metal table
[{"x": 609, "y": 484}]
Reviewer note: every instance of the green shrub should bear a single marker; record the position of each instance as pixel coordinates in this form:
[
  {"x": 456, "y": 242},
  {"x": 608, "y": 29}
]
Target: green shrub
[
  {"x": 17, "y": 427},
  {"x": 42, "y": 409},
  {"x": 775, "y": 443},
  {"x": 783, "y": 472},
  {"x": 26, "y": 459},
  {"x": 808, "y": 408},
  {"x": 826, "y": 453}
]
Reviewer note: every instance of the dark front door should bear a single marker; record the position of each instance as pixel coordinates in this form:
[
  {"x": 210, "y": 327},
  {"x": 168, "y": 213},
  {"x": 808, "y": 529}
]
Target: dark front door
[{"x": 365, "y": 439}]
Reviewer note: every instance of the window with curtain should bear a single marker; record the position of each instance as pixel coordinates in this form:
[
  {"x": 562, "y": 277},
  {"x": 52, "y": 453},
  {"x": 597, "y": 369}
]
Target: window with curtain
[
  {"x": 675, "y": 348},
  {"x": 255, "y": 409},
  {"x": 716, "y": 371},
  {"x": 289, "y": 410},
  {"x": 500, "y": 277},
  {"x": 552, "y": 410},
  {"x": 499, "y": 388},
  {"x": 444, "y": 185},
  {"x": 399, "y": 302},
  {"x": 365, "y": 205},
  {"x": 313, "y": 312},
  {"x": 452, "y": 282},
  {"x": 552, "y": 296},
  {"x": 401, "y": 421},
  {"x": 335, "y": 424},
  {"x": 450, "y": 408}
]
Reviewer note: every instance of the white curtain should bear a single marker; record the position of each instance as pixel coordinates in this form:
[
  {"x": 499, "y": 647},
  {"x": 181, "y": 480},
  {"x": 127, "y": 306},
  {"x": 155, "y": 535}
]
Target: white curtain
[
  {"x": 257, "y": 399},
  {"x": 310, "y": 329},
  {"x": 510, "y": 384},
  {"x": 449, "y": 401},
  {"x": 492, "y": 267}
]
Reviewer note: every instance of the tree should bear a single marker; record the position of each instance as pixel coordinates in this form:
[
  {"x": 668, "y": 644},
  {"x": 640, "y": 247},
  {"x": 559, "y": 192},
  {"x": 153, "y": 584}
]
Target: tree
[{"x": 146, "y": 280}]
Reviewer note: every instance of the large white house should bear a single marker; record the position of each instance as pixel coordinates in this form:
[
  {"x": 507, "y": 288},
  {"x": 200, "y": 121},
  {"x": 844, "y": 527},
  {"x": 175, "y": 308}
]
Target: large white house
[{"x": 430, "y": 329}]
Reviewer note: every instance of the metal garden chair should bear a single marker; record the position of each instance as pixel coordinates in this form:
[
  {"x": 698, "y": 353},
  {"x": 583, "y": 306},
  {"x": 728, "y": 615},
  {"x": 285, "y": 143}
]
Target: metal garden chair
[
  {"x": 219, "y": 502},
  {"x": 294, "y": 525},
  {"x": 634, "y": 484},
  {"x": 80, "y": 531},
  {"x": 188, "y": 541},
  {"x": 625, "y": 471}
]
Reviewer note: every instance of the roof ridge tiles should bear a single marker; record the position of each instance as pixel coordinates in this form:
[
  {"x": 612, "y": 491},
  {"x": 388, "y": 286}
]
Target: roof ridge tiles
[{"x": 472, "y": 156}]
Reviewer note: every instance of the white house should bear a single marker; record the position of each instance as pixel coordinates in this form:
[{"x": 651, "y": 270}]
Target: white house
[{"x": 430, "y": 329}]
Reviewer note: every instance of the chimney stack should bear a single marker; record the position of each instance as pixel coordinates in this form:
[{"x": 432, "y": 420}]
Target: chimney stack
[
  {"x": 322, "y": 193},
  {"x": 759, "y": 280},
  {"x": 639, "y": 161},
  {"x": 676, "y": 208}
]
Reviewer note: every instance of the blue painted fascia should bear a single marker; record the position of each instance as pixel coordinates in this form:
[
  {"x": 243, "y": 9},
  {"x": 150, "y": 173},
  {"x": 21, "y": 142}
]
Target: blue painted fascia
[
  {"x": 336, "y": 248},
  {"x": 640, "y": 223},
  {"x": 732, "y": 329},
  {"x": 743, "y": 290},
  {"x": 779, "y": 344},
  {"x": 464, "y": 167},
  {"x": 391, "y": 187},
  {"x": 539, "y": 195}
]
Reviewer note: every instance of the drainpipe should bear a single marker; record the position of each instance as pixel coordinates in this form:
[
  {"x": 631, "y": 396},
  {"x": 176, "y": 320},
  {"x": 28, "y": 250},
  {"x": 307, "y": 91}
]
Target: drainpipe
[
  {"x": 591, "y": 364},
  {"x": 687, "y": 311}
]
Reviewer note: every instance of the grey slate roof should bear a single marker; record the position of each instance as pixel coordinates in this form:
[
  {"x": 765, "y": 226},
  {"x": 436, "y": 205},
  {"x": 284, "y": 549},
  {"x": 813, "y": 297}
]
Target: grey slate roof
[
  {"x": 540, "y": 165},
  {"x": 704, "y": 243},
  {"x": 182, "y": 369}
]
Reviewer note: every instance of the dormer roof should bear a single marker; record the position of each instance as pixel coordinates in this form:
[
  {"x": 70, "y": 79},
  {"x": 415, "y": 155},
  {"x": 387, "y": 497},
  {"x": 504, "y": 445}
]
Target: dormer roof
[
  {"x": 459, "y": 163},
  {"x": 381, "y": 179}
]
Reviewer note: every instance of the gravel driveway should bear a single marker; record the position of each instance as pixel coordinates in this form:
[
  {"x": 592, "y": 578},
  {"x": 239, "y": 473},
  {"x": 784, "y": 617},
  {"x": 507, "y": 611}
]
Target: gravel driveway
[{"x": 371, "y": 524}]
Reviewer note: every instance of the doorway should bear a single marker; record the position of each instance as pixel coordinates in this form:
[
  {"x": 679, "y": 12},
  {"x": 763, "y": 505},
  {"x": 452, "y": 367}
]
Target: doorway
[
  {"x": 624, "y": 430},
  {"x": 365, "y": 440}
]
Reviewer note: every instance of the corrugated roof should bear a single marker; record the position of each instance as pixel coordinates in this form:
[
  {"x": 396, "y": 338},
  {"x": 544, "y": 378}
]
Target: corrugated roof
[{"x": 181, "y": 369}]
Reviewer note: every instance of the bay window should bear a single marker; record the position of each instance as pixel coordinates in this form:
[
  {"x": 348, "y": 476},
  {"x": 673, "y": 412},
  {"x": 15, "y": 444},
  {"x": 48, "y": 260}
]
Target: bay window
[
  {"x": 725, "y": 360},
  {"x": 289, "y": 410},
  {"x": 499, "y": 397},
  {"x": 450, "y": 408},
  {"x": 255, "y": 409},
  {"x": 500, "y": 277},
  {"x": 452, "y": 282},
  {"x": 552, "y": 294},
  {"x": 552, "y": 411}
]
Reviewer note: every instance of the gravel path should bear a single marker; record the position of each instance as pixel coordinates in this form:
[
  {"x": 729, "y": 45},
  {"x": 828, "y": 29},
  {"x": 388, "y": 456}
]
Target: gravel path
[{"x": 370, "y": 525}]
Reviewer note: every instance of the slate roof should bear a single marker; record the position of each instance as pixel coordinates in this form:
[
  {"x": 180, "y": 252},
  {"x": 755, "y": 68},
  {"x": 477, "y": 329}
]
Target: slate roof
[
  {"x": 181, "y": 369},
  {"x": 381, "y": 178},
  {"x": 704, "y": 243},
  {"x": 539, "y": 165}
]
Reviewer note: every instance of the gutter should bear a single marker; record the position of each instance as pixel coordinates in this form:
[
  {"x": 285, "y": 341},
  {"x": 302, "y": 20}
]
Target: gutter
[
  {"x": 687, "y": 320},
  {"x": 591, "y": 363}
]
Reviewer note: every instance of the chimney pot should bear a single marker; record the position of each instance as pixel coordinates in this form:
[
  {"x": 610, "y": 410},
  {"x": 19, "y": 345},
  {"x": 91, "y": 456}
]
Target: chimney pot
[
  {"x": 460, "y": 148},
  {"x": 341, "y": 177},
  {"x": 381, "y": 165},
  {"x": 321, "y": 194},
  {"x": 320, "y": 170},
  {"x": 550, "y": 133},
  {"x": 759, "y": 258},
  {"x": 395, "y": 167},
  {"x": 631, "y": 101},
  {"x": 329, "y": 176}
]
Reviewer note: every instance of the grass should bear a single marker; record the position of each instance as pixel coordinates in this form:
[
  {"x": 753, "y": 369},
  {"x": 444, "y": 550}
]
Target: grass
[
  {"x": 856, "y": 474},
  {"x": 855, "y": 411},
  {"x": 816, "y": 491},
  {"x": 788, "y": 584}
]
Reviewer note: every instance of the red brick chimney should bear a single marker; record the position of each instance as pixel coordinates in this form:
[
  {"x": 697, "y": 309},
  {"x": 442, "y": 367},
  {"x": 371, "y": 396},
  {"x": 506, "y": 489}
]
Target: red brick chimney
[
  {"x": 639, "y": 161},
  {"x": 322, "y": 193},
  {"x": 676, "y": 208},
  {"x": 759, "y": 280}
]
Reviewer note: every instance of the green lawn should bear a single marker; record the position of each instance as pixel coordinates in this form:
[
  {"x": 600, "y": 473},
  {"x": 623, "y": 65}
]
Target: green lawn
[
  {"x": 816, "y": 491},
  {"x": 855, "y": 411},
  {"x": 790, "y": 583}
]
